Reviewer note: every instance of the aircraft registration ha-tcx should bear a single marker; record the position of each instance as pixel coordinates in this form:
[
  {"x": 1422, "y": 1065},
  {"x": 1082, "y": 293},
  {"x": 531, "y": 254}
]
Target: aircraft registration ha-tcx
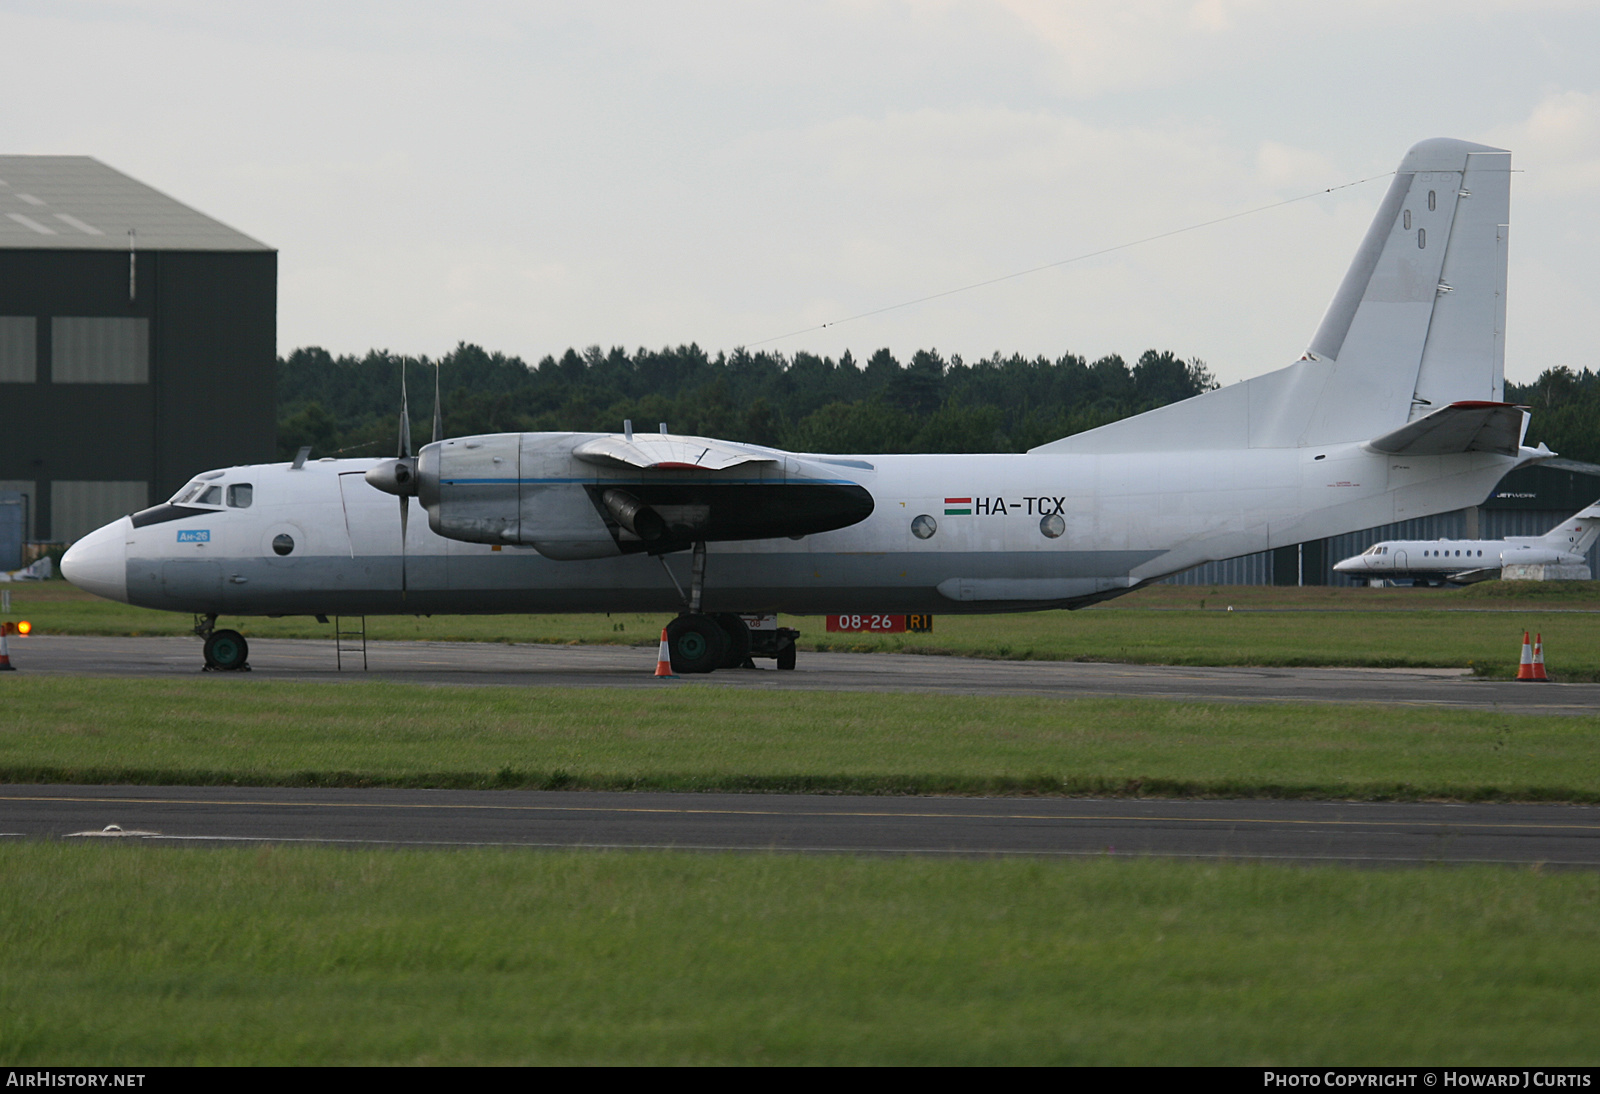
[{"x": 1394, "y": 411}]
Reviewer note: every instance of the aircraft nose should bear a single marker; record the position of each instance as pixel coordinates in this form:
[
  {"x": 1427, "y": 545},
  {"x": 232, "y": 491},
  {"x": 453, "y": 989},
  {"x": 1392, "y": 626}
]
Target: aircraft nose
[{"x": 98, "y": 563}]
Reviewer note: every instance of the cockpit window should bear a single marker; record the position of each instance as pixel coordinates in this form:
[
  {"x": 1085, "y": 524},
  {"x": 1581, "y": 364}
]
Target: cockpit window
[
  {"x": 240, "y": 494},
  {"x": 201, "y": 492}
]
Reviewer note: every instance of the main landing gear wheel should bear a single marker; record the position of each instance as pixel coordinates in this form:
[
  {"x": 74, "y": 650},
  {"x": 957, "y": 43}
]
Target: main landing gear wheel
[
  {"x": 696, "y": 643},
  {"x": 226, "y": 651},
  {"x": 738, "y": 656}
]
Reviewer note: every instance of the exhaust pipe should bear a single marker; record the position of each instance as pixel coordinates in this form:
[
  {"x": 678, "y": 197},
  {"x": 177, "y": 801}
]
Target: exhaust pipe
[{"x": 634, "y": 515}]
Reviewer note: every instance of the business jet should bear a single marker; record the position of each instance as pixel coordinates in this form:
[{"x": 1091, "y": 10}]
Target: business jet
[
  {"x": 1464, "y": 561},
  {"x": 1394, "y": 411}
]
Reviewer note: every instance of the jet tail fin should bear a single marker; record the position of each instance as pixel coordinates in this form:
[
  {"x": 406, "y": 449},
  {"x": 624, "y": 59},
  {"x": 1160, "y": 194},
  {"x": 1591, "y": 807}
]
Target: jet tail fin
[{"x": 1578, "y": 532}]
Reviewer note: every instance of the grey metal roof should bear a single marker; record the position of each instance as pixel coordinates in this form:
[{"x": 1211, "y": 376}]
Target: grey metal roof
[{"x": 78, "y": 203}]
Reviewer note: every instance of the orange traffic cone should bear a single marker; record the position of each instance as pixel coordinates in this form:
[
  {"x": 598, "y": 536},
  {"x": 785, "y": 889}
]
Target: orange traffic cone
[
  {"x": 1538, "y": 658},
  {"x": 664, "y": 659},
  {"x": 5, "y": 653},
  {"x": 1525, "y": 669}
]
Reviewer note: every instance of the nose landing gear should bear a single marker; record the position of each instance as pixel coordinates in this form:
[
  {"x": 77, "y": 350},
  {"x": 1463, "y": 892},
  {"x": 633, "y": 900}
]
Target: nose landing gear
[{"x": 225, "y": 650}]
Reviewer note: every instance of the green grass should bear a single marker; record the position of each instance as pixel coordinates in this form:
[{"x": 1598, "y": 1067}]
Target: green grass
[
  {"x": 1171, "y": 625},
  {"x": 215, "y": 731},
  {"x": 1575, "y": 593},
  {"x": 135, "y": 956}
]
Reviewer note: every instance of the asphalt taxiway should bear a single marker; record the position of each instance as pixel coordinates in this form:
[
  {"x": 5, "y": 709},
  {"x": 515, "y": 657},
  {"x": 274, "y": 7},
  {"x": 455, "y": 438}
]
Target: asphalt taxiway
[
  {"x": 500, "y": 664},
  {"x": 1365, "y": 833},
  {"x": 1372, "y": 833}
]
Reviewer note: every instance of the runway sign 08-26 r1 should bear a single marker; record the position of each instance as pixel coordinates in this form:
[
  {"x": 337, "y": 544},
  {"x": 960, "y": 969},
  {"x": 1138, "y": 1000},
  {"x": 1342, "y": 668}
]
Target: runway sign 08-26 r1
[{"x": 880, "y": 624}]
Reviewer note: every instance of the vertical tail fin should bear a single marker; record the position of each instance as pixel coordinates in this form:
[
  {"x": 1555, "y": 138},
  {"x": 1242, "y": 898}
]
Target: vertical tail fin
[
  {"x": 1417, "y": 324},
  {"x": 1577, "y": 533},
  {"x": 1419, "y": 321}
]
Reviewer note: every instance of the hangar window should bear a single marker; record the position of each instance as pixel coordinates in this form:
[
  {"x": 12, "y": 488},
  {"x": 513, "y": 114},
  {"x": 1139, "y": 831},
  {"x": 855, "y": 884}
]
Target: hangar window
[{"x": 240, "y": 495}]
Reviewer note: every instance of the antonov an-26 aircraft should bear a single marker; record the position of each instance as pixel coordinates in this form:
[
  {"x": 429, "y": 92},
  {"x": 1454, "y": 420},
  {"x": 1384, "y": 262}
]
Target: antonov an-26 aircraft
[
  {"x": 1395, "y": 410},
  {"x": 1463, "y": 561}
]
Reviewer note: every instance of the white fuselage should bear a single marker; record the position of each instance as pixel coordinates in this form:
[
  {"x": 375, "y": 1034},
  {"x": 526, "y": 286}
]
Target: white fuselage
[{"x": 321, "y": 540}]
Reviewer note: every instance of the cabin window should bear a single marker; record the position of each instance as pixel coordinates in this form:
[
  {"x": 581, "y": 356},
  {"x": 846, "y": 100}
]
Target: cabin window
[
  {"x": 1408, "y": 220},
  {"x": 1433, "y": 201},
  {"x": 282, "y": 544},
  {"x": 1422, "y": 238},
  {"x": 240, "y": 494},
  {"x": 212, "y": 496},
  {"x": 924, "y": 526},
  {"x": 1052, "y": 526},
  {"x": 188, "y": 493}
]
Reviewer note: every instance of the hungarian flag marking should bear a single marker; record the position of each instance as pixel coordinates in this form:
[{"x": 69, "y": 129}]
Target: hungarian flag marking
[{"x": 958, "y": 507}]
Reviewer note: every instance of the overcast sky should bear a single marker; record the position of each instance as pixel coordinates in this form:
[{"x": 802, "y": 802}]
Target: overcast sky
[{"x": 536, "y": 176}]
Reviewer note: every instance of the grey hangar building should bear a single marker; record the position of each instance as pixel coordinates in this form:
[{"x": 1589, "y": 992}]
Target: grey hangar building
[{"x": 138, "y": 346}]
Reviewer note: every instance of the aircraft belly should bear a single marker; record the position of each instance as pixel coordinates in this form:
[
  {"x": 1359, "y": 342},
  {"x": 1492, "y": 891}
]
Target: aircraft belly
[{"x": 795, "y": 581}]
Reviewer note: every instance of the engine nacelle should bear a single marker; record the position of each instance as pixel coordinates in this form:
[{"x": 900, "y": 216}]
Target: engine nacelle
[
  {"x": 1537, "y": 556},
  {"x": 514, "y": 488},
  {"x": 532, "y": 489}
]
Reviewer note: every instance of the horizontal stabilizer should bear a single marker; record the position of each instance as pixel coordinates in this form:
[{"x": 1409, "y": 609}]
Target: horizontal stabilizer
[
  {"x": 664, "y": 452},
  {"x": 1459, "y": 427}
]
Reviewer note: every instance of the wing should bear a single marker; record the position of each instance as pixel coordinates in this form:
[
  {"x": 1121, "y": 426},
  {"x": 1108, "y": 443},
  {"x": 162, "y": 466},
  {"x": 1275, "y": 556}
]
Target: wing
[{"x": 664, "y": 452}]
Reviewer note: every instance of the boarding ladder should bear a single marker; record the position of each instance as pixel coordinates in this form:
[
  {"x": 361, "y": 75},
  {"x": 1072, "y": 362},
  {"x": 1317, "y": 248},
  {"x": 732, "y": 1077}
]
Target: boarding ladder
[{"x": 351, "y": 639}]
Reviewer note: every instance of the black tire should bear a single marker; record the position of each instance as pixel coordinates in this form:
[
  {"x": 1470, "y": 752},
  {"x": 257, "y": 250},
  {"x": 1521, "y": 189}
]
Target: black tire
[
  {"x": 786, "y": 658},
  {"x": 738, "y": 640},
  {"x": 696, "y": 644},
  {"x": 226, "y": 651}
]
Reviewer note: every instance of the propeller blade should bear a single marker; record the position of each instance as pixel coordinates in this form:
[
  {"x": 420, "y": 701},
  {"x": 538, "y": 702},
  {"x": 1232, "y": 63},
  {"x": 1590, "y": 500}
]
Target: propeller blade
[
  {"x": 405, "y": 414},
  {"x": 438, "y": 414},
  {"x": 405, "y": 517}
]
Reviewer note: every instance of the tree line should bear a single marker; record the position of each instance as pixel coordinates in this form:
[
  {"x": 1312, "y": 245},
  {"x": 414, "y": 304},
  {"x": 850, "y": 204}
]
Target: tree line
[
  {"x": 1565, "y": 411},
  {"x": 350, "y": 405}
]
